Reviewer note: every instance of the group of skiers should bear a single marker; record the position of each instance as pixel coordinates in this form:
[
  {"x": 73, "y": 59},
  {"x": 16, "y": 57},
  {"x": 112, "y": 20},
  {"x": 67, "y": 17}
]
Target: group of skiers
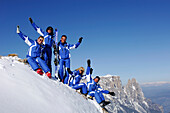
[{"x": 39, "y": 57}]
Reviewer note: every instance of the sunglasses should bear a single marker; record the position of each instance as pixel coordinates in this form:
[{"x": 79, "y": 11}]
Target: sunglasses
[{"x": 41, "y": 39}]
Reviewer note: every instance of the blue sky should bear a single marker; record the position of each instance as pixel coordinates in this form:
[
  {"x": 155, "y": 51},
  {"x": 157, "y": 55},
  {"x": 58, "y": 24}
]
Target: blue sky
[{"x": 129, "y": 38}]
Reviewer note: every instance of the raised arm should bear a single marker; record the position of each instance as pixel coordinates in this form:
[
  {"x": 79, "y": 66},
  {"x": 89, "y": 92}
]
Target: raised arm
[
  {"x": 38, "y": 29},
  {"x": 88, "y": 71},
  {"x": 73, "y": 46},
  {"x": 69, "y": 71},
  {"x": 24, "y": 37}
]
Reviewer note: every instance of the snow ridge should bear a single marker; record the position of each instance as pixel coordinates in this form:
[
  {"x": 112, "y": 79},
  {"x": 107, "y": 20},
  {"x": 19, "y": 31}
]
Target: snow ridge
[{"x": 24, "y": 91}]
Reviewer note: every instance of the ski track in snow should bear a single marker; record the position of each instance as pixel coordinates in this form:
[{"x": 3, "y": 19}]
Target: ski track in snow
[{"x": 24, "y": 91}]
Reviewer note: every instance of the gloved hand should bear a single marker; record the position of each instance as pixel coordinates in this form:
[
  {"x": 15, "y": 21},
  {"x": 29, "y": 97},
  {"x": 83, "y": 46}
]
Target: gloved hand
[
  {"x": 30, "y": 19},
  {"x": 88, "y": 62},
  {"x": 112, "y": 93},
  {"x": 69, "y": 71},
  {"x": 91, "y": 70},
  {"x": 56, "y": 29},
  {"x": 18, "y": 31},
  {"x": 80, "y": 39}
]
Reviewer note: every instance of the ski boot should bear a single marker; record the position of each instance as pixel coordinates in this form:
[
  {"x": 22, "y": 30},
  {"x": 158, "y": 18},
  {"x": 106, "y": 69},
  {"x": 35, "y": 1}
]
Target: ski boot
[{"x": 39, "y": 71}]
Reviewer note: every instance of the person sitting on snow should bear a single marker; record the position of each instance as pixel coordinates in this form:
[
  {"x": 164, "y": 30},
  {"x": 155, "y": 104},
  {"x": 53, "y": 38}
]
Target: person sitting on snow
[
  {"x": 64, "y": 57},
  {"x": 34, "y": 53},
  {"x": 48, "y": 41},
  {"x": 75, "y": 78},
  {"x": 94, "y": 89}
]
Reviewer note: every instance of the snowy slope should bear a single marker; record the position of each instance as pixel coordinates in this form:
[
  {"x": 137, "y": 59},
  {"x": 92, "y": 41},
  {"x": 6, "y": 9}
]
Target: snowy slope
[{"x": 24, "y": 91}]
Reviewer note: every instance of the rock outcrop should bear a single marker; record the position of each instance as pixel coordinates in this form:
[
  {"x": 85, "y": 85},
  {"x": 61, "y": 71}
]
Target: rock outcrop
[{"x": 129, "y": 98}]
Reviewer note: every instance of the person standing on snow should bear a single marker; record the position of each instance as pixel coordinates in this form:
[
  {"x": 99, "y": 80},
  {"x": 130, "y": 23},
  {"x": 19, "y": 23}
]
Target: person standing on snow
[
  {"x": 34, "y": 53},
  {"x": 94, "y": 89},
  {"x": 75, "y": 78},
  {"x": 48, "y": 41},
  {"x": 64, "y": 57}
]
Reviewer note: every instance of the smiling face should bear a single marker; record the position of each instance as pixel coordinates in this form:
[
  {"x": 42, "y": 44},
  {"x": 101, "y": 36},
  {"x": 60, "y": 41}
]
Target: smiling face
[
  {"x": 63, "y": 39},
  {"x": 49, "y": 31},
  {"x": 81, "y": 72},
  {"x": 96, "y": 80},
  {"x": 40, "y": 40}
]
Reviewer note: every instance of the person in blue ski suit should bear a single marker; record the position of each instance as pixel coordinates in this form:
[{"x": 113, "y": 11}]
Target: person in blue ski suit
[
  {"x": 64, "y": 57},
  {"x": 48, "y": 41},
  {"x": 94, "y": 89},
  {"x": 34, "y": 54},
  {"x": 75, "y": 78}
]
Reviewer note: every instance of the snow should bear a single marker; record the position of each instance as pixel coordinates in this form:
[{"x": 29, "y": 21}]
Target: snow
[
  {"x": 146, "y": 104},
  {"x": 109, "y": 75},
  {"x": 139, "y": 108},
  {"x": 24, "y": 91},
  {"x": 133, "y": 87}
]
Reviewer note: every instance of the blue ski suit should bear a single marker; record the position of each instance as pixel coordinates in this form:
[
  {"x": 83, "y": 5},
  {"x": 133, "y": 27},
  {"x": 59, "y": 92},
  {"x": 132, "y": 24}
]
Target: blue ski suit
[
  {"x": 74, "y": 82},
  {"x": 64, "y": 59},
  {"x": 48, "y": 42},
  {"x": 94, "y": 89},
  {"x": 34, "y": 53}
]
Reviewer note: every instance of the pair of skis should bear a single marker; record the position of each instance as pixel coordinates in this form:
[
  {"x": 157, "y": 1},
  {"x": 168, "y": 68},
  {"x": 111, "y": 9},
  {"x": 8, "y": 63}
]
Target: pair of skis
[{"x": 56, "y": 55}]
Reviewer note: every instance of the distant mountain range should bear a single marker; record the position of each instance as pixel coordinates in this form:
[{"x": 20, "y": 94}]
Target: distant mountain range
[
  {"x": 158, "y": 92},
  {"x": 129, "y": 98}
]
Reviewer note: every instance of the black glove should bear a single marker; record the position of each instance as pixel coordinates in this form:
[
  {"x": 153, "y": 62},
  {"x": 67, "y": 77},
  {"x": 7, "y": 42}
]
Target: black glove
[
  {"x": 69, "y": 71},
  {"x": 91, "y": 70},
  {"x": 42, "y": 57},
  {"x": 30, "y": 19},
  {"x": 80, "y": 39},
  {"x": 112, "y": 93},
  {"x": 88, "y": 62},
  {"x": 55, "y": 29}
]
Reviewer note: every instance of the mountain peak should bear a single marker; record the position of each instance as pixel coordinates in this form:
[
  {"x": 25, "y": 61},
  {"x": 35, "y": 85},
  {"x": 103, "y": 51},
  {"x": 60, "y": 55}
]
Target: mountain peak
[{"x": 129, "y": 98}]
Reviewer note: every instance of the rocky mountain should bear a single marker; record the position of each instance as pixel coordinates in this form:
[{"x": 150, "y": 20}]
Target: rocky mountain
[{"x": 129, "y": 98}]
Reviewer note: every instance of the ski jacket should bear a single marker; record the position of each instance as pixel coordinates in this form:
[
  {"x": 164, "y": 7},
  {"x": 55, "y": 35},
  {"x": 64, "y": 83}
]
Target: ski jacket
[
  {"x": 75, "y": 78},
  {"x": 63, "y": 49},
  {"x": 35, "y": 49},
  {"x": 48, "y": 39},
  {"x": 92, "y": 85}
]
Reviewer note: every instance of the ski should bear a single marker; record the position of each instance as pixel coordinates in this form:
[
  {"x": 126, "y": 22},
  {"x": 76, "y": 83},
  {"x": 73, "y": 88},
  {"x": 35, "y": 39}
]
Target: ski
[
  {"x": 56, "y": 55},
  {"x": 105, "y": 110}
]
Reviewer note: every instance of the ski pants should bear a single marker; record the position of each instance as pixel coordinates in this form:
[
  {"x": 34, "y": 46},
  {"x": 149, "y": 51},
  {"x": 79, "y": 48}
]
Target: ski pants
[
  {"x": 47, "y": 56},
  {"x": 82, "y": 87},
  {"x": 64, "y": 63},
  {"x": 98, "y": 96},
  {"x": 37, "y": 62}
]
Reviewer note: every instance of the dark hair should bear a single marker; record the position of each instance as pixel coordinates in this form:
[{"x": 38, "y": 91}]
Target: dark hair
[
  {"x": 97, "y": 77},
  {"x": 40, "y": 37},
  {"x": 64, "y": 36},
  {"x": 49, "y": 28}
]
